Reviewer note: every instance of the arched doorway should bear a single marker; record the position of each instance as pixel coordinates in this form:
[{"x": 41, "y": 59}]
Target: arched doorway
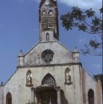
[
  {"x": 8, "y": 98},
  {"x": 47, "y": 96},
  {"x": 90, "y": 96},
  {"x": 46, "y": 93}
]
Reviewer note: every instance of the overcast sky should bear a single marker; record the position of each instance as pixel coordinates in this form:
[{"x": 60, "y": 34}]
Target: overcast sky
[{"x": 19, "y": 30}]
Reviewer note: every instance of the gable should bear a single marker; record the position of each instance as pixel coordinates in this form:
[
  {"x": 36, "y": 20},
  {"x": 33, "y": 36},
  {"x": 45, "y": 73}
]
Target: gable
[{"x": 53, "y": 52}]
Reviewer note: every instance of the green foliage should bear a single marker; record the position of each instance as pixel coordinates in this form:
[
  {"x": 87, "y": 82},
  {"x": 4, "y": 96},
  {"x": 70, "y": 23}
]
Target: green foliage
[
  {"x": 78, "y": 18},
  {"x": 86, "y": 21}
]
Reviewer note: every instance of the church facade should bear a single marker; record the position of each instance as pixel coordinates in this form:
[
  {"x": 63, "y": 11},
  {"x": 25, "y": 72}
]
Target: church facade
[{"x": 49, "y": 73}]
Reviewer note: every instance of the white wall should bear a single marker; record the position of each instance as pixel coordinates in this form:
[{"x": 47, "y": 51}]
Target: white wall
[{"x": 1, "y": 94}]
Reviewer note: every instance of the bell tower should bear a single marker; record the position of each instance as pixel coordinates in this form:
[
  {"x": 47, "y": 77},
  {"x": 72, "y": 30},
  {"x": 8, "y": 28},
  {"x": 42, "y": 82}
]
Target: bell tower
[{"x": 48, "y": 20}]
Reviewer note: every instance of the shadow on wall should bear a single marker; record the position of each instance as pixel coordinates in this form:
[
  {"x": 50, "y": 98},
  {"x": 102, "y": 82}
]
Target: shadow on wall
[{"x": 63, "y": 99}]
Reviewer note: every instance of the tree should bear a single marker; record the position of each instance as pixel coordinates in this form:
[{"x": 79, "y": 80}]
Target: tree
[{"x": 86, "y": 21}]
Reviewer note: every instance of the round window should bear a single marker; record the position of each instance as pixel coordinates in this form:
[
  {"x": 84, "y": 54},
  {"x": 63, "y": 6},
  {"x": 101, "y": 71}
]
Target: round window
[{"x": 47, "y": 55}]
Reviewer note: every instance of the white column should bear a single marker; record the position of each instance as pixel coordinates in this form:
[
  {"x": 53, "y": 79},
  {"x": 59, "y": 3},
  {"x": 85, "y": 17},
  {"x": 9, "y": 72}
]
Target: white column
[{"x": 58, "y": 95}]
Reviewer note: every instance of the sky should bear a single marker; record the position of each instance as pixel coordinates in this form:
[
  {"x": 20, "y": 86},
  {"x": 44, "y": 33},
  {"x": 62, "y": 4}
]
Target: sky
[{"x": 19, "y": 30}]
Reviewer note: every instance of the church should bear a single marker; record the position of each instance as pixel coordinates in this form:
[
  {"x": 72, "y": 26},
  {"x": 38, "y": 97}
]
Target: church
[{"x": 50, "y": 73}]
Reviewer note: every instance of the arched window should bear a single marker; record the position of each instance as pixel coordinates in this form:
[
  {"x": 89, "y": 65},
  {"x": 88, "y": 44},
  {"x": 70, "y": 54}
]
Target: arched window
[
  {"x": 44, "y": 13},
  {"x": 67, "y": 76},
  {"x": 8, "y": 98},
  {"x": 90, "y": 96},
  {"x": 51, "y": 13},
  {"x": 29, "y": 78},
  {"x": 49, "y": 80},
  {"x": 47, "y": 2},
  {"x": 47, "y": 37}
]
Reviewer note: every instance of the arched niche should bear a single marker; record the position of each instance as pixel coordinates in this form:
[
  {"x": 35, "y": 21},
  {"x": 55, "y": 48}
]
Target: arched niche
[
  {"x": 67, "y": 76},
  {"x": 90, "y": 96},
  {"x": 29, "y": 78},
  {"x": 8, "y": 98},
  {"x": 48, "y": 80}
]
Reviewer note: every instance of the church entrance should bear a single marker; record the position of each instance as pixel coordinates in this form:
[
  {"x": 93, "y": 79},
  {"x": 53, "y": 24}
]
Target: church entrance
[
  {"x": 47, "y": 92},
  {"x": 47, "y": 96}
]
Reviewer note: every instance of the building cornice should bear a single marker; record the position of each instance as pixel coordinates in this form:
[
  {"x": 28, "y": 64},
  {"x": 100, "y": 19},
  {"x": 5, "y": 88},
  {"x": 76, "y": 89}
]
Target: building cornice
[{"x": 49, "y": 65}]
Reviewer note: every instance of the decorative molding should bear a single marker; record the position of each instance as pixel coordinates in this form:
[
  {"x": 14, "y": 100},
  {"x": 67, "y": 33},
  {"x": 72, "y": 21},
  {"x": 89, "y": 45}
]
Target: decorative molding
[{"x": 49, "y": 65}]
